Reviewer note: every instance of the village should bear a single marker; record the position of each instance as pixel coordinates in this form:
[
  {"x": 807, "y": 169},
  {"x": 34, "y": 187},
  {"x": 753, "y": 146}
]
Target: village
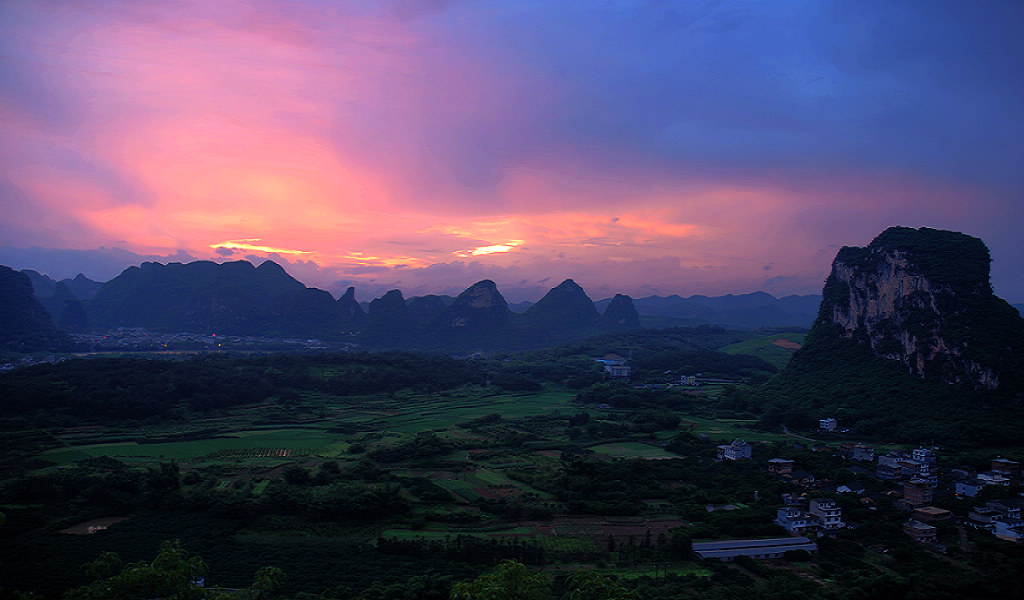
[{"x": 914, "y": 480}]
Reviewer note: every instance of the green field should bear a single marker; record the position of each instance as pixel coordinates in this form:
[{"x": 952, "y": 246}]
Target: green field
[
  {"x": 276, "y": 444},
  {"x": 768, "y": 347},
  {"x": 632, "y": 450},
  {"x": 409, "y": 416},
  {"x": 398, "y": 420},
  {"x": 730, "y": 429},
  {"x": 425, "y": 413}
]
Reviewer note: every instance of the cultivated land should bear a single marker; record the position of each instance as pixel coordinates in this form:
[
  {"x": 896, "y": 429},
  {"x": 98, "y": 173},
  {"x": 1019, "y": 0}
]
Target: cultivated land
[
  {"x": 240, "y": 452},
  {"x": 776, "y": 348},
  {"x": 353, "y": 492}
]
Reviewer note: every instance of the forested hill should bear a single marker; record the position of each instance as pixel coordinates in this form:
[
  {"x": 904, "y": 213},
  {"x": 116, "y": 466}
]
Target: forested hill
[{"x": 910, "y": 344}]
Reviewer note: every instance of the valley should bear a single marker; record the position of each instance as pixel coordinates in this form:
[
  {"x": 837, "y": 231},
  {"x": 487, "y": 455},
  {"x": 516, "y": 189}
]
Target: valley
[{"x": 354, "y": 494}]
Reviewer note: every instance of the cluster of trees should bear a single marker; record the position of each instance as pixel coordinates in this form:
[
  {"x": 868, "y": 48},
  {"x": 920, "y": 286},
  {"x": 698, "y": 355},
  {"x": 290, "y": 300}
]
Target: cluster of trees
[
  {"x": 113, "y": 390},
  {"x": 678, "y": 350},
  {"x": 93, "y": 488},
  {"x": 512, "y": 580},
  {"x": 466, "y": 549},
  {"x": 174, "y": 574}
]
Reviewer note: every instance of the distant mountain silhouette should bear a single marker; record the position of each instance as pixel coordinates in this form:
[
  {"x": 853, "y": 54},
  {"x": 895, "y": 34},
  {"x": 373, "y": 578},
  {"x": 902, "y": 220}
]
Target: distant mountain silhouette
[
  {"x": 25, "y": 325},
  {"x": 352, "y": 314},
  {"x": 82, "y": 287},
  {"x": 621, "y": 313},
  {"x": 388, "y": 319},
  {"x": 743, "y": 311},
  {"x": 426, "y": 309},
  {"x": 480, "y": 306},
  {"x": 237, "y": 298},
  {"x": 202, "y": 296},
  {"x": 564, "y": 307},
  {"x": 65, "y": 307}
]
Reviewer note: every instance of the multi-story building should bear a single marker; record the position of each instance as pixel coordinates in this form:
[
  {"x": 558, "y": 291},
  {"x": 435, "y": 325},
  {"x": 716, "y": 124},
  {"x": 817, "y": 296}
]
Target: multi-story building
[
  {"x": 780, "y": 466},
  {"x": 924, "y": 455},
  {"x": 926, "y": 465},
  {"x": 1006, "y": 467},
  {"x": 795, "y": 520},
  {"x": 863, "y": 453},
  {"x": 897, "y": 465},
  {"x": 889, "y": 466},
  {"x": 828, "y": 514},
  {"x": 917, "y": 493},
  {"x": 1007, "y": 512},
  {"x": 737, "y": 450},
  {"x": 920, "y": 532},
  {"x": 968, "y": 487}
]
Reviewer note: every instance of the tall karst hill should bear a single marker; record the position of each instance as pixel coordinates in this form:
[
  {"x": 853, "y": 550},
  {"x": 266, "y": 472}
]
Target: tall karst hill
[
  {"x": 233, "y": 298},
  {"x": 922, "y": 297},
  {"x": 242, "y": 299},
  {"x": 565, "y": 306},
  {"x": 909, "y": 335}
]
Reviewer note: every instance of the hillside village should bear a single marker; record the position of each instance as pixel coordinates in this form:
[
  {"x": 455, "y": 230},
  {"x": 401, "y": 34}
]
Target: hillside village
[{"x": 908, "y": 480}]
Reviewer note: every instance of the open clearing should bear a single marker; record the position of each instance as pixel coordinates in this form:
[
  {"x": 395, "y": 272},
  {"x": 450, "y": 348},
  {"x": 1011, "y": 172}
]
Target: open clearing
[{"x": 633, "y": 450}]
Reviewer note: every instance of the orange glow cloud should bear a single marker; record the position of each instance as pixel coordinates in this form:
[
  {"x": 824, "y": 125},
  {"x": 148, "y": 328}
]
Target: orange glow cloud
[{"x": 253, "y": 246}]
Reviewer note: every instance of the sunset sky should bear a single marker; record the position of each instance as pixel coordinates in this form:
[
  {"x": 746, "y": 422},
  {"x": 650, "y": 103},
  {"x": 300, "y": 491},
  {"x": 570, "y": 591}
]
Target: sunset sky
[{"x": 656, "y": 147}]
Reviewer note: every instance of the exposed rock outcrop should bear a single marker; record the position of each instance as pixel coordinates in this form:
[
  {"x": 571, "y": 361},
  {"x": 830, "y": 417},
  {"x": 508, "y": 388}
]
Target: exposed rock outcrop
[{"x": 922, "y": 297}]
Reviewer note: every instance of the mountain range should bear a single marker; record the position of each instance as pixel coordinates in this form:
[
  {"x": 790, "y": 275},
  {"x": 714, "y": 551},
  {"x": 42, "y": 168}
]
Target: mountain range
[{"x": 242, "y": 299}]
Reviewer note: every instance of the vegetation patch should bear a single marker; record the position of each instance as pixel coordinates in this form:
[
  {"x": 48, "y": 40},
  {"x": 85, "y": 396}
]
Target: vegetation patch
[{"x": 632, "y": 450}]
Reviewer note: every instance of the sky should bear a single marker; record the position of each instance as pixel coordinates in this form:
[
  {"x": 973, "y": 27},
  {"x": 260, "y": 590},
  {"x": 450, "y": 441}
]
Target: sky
[{"x": 660, "y": 147}]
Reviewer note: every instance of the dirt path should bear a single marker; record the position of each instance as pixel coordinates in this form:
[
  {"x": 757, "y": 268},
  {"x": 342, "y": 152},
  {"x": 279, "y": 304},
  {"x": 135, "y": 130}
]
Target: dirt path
[
  {"x": 790, "y": 433},
  {"x": 90, "y": 527}
]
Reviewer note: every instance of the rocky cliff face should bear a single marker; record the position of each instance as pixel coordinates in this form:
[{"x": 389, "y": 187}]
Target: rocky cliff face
[{"x": 922, "y": 297}]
